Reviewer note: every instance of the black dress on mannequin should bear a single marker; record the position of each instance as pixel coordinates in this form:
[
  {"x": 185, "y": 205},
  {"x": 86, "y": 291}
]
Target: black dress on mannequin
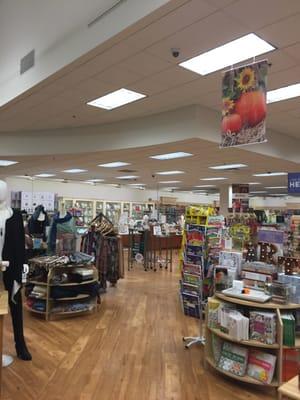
[{"x": 14, "y": 252}]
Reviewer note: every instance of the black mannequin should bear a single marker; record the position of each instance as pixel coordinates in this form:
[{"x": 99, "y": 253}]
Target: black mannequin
[{"x": 12, "y": 243}]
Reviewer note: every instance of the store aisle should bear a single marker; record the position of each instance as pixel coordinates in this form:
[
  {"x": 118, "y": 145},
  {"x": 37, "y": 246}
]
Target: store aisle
[{"x": 131, "y": 350}]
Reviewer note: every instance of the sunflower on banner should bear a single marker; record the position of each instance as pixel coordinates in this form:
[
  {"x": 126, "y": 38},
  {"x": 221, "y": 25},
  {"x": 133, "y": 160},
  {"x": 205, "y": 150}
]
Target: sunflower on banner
[{"x": 244, "y": 105}]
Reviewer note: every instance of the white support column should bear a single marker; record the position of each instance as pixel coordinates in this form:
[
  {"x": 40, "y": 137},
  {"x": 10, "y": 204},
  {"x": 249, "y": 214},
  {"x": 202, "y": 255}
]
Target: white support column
[{"x": 225, "y": 199}]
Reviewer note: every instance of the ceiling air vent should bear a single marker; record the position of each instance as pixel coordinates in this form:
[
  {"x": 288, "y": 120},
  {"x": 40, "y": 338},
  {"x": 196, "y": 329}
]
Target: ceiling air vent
[
  {"x": 105, "y": 11},
  {"x": 27, "y": 62}
]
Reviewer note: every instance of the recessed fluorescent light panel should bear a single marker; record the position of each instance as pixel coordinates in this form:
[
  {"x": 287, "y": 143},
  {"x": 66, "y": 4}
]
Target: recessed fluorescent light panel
[
  {"x": 171, "y": 156},
  {"x": 95, "y": 180},
  {"x": 271, "y": 174},
  {"x": 7, "y": 163},
  {"x": 170, "y": 172},
  {"x": 276, "y": 187},
  {"x": 258, "y": 191},
  {"x": 253, "y": 183},
  {"x": 205, "y": 186},
  {"x": 167, "y": 182},
  {"x": 114, "y": 164},
  {"x": 213, "y": 179},
  {"x": 74, "y": 171},
  {"x": 228, "y": 166},
  {"x": 137, "y": 184},
  {"x": 44, "y": 175},
  {"x": 128, "y": 177},
  {"x": 238, "y": 50},
  {"x": 284, "y": 93},
  {"x": 116, "y": 99}
]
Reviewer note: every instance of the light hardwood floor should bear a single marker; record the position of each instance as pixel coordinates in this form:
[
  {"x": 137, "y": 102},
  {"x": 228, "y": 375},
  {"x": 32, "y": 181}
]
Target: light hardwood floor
[{"x": 130, "y": 350}]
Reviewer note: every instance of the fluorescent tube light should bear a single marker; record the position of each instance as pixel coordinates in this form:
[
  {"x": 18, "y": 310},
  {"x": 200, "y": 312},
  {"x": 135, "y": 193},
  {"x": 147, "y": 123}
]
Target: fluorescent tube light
[
  {"x": 137, "y": 184},
  {"x": 116, "y": 99},
  {"x": 229, "y": 166},
  {"x": 228, "y": 54},
  {"x": 74, "y": 171},
  {"x": 7, "y": 163},
  {"x": 271, "y": 174},
  {"x": 114, "y": 164},
  {"x": 284, "y": 93},
  {"x": 213, "y": 179},
  {"x": 44, "y": 175},
  {"x": 95, "y": 180},
  {"x": 258, "y": 191},
  {"x": 205, "y": 186},
  {"x": 275, "y": 187},
  {"x": 171, "y": 156},
  {"x": 170, "y": 172},
  {"x": 166, "y": 182},
  {"x": 128, "y": 177},
  {"x": 253, "y": 183}
]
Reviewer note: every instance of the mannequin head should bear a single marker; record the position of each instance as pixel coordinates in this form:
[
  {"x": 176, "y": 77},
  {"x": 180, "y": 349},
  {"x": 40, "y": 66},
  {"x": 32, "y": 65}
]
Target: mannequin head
[{"x": 3, "y": 191}]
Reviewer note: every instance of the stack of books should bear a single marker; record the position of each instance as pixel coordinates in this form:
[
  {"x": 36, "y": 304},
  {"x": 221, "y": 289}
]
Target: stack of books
[
  {"x": 263, "y": 326},
  {"x": 289, "y": 329}
]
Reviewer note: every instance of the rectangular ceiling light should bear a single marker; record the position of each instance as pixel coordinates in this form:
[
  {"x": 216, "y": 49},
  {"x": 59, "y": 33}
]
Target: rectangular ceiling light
[
  {"x": 171, "y": 156},
  {"x": 253, "y": 183},
  {"x": 258, "y": 191},
  {"x": 166, "y": 182},
  {"x": 213, "y": 179},
  {"x": 128, "y": 177},
  {"x": 205, "y": 186},
  {"x": 116, "y": 99},
  {"x": 114, "y": 164},
  {"x": 284, "y": 93},
  {"x": 228, "y": 54},
  {"x": 229, "y": 166},
  {"x": 276, "y": 187},
  {"x": 74, "y": 171},
  {"x": 271, "y": 174},
  {"x": 44, "y": 175},
  {"x": 170, "y": 172},
  {"x": 7, "y": 163},
  {"x": 137, "y": 184},
  {"x": 95, "y": 180}
]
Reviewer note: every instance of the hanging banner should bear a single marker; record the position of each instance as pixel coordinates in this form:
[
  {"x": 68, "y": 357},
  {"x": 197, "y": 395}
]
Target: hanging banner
[
  {"x": 294, "y": 183},
  {"x": 240, "y": 197},
  {"x": 244, "y": 105}
]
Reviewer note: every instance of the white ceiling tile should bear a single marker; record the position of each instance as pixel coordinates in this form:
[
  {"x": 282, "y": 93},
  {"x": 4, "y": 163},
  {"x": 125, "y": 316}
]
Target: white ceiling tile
[
  {"x": 293, "y": 51},
  {"x": 195, "y": 39},
  {"x": 283, "y": 78},
  {"x": 145, "y": 64},
  {"x": 118, "y": 76},
  {"x": 256, "y": 13},
  {"x": 283, "y": 33}
]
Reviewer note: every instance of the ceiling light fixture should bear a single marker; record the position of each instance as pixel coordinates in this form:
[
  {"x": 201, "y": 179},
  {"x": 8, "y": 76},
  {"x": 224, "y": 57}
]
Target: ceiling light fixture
[
  {"x": 171, "y": 156},
  {"x": 228, "y": 166},
  {"x": 166, "y": 182},
  {"x": 284, "y": 93},
  {"x": 271, "y": 174},
  {"x": 258, "y": 191},
  {"x": 114, "y": 164},
  {"x": 116, "y": 99},
  {"x": 128, "y": 177},
  {"x": 205, "y": 186},
  {"x": 74, "y": 171},
  {"x": 228, "y": 54},
  {"x": 45, "y": 175},
  {"x": 213, "y": 179},
  {"x": 137, "y": 184},
  {"x": 253, "y": 183},
  {"x": 170, "y": 172},
  {"x": 95, "y": 180},
  {"x": 7, "y": 163},
  {"x": 275, "y": 187}
]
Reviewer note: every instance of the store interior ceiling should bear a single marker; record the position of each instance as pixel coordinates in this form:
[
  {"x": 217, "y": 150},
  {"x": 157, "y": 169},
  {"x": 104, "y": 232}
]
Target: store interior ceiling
[{"x": 140, "y": 58}]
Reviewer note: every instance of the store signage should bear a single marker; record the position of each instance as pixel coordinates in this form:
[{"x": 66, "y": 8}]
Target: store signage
[
  {"x": 294, "y": 182},
  {"x": 240, "y": 197},
  {"x": 244, "y": 105},
  {"x": 270, "y": 236}
]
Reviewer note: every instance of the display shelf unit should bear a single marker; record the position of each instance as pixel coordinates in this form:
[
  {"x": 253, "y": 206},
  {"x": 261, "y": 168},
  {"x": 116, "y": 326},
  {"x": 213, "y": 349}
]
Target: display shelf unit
[
  {"x": 276, "y": 348},
  {"x": 88, "y": 302}
]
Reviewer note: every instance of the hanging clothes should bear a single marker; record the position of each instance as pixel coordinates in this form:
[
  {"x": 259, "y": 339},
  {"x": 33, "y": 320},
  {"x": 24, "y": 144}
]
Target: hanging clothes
[
  {"x": 38, "y": 222},
  {"x": 64, "y": 230}
]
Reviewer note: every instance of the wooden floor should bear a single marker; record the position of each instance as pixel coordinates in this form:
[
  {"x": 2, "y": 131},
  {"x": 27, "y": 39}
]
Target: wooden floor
[{"x": 130, "y": 350}]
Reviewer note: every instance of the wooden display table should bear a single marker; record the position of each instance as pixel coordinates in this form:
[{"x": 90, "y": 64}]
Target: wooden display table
[{"x": 290, "y": 389}]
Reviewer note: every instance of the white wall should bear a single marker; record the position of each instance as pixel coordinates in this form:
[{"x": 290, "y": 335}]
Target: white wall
[
  {"x": 259, "y": 202},
  {"x": 101, "y": 192}
]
